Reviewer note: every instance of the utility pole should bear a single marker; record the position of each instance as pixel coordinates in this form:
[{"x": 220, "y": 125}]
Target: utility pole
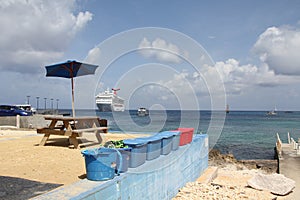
[
  {"x": 28, "y": 99},
  {"x": 45, "y": 103},
  {"x": 37, "y": 103},
  {"x": 51, "y": 105},
  {"x": 57, "y": 105}
]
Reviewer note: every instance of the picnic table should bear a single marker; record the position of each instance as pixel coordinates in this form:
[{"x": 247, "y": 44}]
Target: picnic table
[{"x": 73, "y": 128}]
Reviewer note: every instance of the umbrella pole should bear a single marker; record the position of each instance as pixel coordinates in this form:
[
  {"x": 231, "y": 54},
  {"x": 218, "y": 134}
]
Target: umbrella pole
[{"x": 73, "y": 109}]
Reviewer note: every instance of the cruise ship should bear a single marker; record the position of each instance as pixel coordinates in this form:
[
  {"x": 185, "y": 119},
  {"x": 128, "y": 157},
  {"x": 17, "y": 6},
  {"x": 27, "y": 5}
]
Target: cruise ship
[{"x": 108, "y": 101}]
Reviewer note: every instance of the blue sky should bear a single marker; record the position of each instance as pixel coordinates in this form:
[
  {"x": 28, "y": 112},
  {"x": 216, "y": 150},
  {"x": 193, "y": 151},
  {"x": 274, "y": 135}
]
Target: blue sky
[{"x": 253, "y": 44}]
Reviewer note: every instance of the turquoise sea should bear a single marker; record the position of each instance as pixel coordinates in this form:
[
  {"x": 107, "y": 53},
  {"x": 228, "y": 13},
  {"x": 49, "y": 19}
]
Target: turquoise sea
[{"x": 245, "y": 134}]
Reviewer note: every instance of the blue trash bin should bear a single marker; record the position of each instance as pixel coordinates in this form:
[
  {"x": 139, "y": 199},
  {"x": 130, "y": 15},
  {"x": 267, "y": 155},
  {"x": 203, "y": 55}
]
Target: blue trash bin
[
  {"x": 101, "y": 163},
  {"x": 175, "y": 139},
  {"x": 166, "y": 142},
  {"x": 138, "y": 151},
  {"x": 123, "y": 163},
  {"x": 153, "y": 146}
]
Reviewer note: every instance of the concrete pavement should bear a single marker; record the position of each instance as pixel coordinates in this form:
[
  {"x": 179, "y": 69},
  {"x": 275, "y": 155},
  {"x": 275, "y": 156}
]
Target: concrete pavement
[{"x": 289, "y": 166}]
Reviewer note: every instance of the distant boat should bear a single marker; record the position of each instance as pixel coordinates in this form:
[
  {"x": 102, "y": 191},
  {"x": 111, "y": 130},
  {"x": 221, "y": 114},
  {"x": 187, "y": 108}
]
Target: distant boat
[
  {"x": 142, "y": 112},
  {"x": 272, "y": 112},
  {"x": 227, "y": 108}
]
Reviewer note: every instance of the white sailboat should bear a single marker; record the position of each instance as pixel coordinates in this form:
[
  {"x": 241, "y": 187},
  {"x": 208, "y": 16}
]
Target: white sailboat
[{"x": 272, "y": 112}]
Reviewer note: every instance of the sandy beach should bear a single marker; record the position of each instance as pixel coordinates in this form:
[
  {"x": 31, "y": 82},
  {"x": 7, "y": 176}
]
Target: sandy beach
[
  {"x": 57, "y": 165},
  {"x": 52, "y": 163}
]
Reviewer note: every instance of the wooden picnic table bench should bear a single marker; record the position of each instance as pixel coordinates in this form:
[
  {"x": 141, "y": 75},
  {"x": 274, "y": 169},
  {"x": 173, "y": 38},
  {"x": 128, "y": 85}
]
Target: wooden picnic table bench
[{"x": 73, "y": 128}]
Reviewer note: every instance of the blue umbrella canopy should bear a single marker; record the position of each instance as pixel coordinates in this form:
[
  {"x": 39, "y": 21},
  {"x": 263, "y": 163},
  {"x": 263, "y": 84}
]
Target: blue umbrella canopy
[{"x": 70, "y": 69}]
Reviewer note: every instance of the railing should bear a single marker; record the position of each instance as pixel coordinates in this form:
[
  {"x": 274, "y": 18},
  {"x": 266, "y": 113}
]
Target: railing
[
  {"x": 278, "y": 146},
  {"x": 291, "y": 141}
]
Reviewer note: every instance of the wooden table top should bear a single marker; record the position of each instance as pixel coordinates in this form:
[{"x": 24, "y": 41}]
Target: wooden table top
[{"x": 63, "y": 118}]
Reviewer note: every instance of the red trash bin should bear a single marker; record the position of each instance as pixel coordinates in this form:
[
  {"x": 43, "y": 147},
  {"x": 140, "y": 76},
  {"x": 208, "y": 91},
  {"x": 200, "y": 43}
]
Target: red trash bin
[{"x": 186, "y": 135}]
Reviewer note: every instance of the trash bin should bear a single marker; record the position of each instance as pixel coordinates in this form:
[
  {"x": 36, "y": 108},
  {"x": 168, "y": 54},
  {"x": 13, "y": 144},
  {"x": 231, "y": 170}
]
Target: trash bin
[
  {"x": 186, "y": 136},
  {"x": 166, "y": 142},
  {"x": 101, "y": 163},
  {"x": 138, "y": 151},
  {"x": 153, "y": 147},
  {"x": 124, "y": 162},
  {"x": 175, "y": 138}
]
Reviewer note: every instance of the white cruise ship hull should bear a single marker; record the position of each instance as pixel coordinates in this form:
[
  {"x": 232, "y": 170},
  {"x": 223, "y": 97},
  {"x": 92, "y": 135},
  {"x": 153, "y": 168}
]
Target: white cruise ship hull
[{"x": 110, "y": 108}]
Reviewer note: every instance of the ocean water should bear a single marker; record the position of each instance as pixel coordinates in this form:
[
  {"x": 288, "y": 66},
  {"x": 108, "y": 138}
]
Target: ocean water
[{"x": 245, "y": 134}]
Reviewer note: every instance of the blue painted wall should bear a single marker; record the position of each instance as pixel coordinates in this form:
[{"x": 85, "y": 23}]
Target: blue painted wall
[{"x": 160, "y": 178}]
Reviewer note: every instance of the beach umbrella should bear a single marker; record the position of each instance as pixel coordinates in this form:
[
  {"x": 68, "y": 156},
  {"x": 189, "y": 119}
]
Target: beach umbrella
[{"x": 70, "y": 69}]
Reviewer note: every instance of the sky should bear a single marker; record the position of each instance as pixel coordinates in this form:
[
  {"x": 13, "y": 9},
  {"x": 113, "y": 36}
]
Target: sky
[{"x": 161, "y": 54}]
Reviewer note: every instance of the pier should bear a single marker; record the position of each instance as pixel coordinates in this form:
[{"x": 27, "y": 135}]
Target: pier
[{"x": 289, "y": 162}]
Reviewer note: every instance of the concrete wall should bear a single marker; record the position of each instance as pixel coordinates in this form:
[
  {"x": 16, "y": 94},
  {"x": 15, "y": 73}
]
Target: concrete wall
[
  {"x": 34, "y": 121},
  {"x": 160, "y": 178},
  {"x": 8, "y": 121}
]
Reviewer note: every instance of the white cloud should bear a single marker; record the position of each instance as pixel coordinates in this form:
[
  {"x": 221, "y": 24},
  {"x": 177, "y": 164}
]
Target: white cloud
[
  {"x": 94, "y": 56},
  {"x": 81, "y": 19},
  {"x": 161, "y": 50},
  {"x": 236, "y": 79},
  {"x": 36, "y": 32},
  {"x": 279, "y": 48}
]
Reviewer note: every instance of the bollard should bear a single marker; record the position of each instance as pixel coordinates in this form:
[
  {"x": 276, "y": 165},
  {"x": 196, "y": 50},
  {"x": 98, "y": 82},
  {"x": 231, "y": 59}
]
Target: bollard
[
  {"x": 293, "y": 143},
  {"x": 298, "y": 150},
  {"x": 18, "y": 121}
]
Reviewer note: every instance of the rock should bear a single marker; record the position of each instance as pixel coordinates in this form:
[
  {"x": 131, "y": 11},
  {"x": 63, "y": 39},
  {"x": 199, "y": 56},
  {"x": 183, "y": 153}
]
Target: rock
[
  {"x": 270, "y": 166},
  {"x": 209, "y": 175},
  {"x": 275, "y": 183},
  {"x": 216, "y": 158}
]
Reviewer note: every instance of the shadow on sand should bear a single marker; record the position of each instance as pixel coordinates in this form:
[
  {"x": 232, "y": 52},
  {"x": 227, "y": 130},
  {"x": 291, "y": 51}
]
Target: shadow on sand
[
  {"x": 64, "y": 142},
  {"x": 19, "y": 188}
]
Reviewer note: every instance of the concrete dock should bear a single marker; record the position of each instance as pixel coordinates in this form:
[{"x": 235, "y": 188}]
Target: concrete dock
[{"x": 289, "y": 163}]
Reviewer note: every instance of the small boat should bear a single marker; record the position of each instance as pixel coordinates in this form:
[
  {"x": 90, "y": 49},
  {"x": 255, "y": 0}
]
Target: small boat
[
  {"x": 142, "y": 112},
  {"x": 227, "y": 108},
  {"x": 272, "y": 112}
]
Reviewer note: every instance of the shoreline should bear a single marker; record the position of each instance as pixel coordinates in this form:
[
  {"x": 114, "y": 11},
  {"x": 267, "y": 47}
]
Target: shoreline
[
  {"x": 216, "y": 158},
  {"x": 228, "y": 179}
]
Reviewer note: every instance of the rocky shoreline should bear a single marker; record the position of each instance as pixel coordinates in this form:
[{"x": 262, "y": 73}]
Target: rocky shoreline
[
  {"x": 221, "y": 160},
  {"x": 231, "y": 180}
]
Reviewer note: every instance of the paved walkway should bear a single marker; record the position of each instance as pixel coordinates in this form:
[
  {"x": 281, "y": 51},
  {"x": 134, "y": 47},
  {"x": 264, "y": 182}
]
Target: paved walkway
[{"x": 289, "y": 166}]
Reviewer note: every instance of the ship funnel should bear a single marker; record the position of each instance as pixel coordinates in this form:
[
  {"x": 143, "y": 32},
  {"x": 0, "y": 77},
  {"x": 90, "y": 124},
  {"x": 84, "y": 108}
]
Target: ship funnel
[{"x": 115, "y": 90}]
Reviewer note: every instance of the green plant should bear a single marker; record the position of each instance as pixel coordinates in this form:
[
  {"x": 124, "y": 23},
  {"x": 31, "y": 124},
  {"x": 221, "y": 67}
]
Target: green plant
[{"x": 115, "y": 144}]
